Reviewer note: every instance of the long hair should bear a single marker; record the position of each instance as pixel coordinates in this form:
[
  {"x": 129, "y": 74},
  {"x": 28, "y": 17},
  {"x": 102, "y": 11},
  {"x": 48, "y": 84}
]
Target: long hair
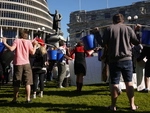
[{"x": 42, "y": 49}]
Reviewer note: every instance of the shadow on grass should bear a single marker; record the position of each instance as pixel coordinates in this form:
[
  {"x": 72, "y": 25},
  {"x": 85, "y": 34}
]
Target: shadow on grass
[
  {"x": 72, "y": 93},
  {"x": 52, "y": 90},
  {"x": 69, "y": 108},
  {"x": 5, "y": 95}
]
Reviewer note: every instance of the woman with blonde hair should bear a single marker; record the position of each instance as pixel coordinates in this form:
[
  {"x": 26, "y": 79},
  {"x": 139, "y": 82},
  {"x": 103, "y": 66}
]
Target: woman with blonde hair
[{"x": 39, "y": 67}]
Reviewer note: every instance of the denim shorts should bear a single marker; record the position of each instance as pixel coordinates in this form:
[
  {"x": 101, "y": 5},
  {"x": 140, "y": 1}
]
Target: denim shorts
[{"x": 124, "y": 68}]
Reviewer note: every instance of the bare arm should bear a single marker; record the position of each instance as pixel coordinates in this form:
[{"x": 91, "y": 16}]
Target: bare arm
[
  {"x": 32, "y": 51},
  {"x": 67, "y": 57},
  {"x": 11, "y": 48}
]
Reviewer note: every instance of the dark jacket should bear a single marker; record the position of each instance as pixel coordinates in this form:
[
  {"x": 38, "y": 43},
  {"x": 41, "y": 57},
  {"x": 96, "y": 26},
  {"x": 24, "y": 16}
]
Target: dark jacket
[
  {"x": 145, "y": 53},
  {"x": 38, "y": 61}
]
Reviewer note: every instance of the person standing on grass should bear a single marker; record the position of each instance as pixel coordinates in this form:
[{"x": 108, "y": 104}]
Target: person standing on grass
[
  {"x": 118, "y": 38},
  {"x": 136, "y": 50},
  {"x": 79, "y": 64},
  {"x": 39, "y": 67},
  {"x": 22, "y": 69},
  {"x": 145, "y": 54},
  {"x": 62, "y": 64},
  {"x": 50, "y": 67}
]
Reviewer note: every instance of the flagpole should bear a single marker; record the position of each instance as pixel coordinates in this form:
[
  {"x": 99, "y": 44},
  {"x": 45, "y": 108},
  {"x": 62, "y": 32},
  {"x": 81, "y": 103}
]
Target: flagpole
[
  {"x": 107, "y": 3},
  {"x": 80, "y": 5}
]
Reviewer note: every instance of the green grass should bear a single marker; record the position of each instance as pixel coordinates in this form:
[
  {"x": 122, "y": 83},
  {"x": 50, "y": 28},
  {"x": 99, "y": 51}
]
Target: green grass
[{"x": 94, "y": 99}]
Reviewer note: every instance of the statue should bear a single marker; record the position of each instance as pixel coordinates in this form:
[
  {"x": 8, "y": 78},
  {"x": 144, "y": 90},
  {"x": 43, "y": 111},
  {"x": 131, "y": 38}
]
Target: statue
[{"x": 56, "y": 21}]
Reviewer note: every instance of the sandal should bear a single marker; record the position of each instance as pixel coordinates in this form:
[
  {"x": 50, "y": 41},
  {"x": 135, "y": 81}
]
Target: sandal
[
  {"x": 111, "y": 108},
  {"x": 136, "y": 107}
]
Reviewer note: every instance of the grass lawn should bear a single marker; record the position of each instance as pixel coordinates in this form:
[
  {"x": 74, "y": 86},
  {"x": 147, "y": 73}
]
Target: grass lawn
[{"x": 94, "y": 99}]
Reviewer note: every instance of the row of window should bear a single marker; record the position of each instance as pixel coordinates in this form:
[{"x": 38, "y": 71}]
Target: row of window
[
  {"x": 16, "y": 7},
  {"x": 29, "y": 2},
  {"x": 95, "y": 16},
  {"x": 107, "y": 15},
  {"x": 22, "y": 24},
  {"x": 16, "y": 15},
  {"x": 9, "y": 33}
]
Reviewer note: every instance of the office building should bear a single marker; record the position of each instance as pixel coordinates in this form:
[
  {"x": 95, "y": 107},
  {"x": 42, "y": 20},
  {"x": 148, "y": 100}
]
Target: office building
[
  {"x": 81, "y": 22},
  {"x": 31, "y": 15}
]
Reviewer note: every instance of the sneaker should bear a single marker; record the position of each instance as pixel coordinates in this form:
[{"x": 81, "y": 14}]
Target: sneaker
[
  {"x": 41, "y": 95},
  {"x": 61, "y": 87},
  {"x": 34, "y": 96}
]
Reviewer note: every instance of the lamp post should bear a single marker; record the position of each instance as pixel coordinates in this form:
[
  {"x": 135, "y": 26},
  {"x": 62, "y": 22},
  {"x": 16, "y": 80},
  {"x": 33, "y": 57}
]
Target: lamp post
[
  {"x": 41, "y": 32},
  {"x": 130, "y": 19}
]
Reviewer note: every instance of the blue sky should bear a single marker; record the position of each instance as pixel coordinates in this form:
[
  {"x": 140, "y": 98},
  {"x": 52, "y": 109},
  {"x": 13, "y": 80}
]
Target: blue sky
[{"x": 65, "y": 7}]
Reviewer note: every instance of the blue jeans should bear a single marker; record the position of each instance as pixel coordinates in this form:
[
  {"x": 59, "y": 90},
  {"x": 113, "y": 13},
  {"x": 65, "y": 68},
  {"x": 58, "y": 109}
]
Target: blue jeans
[{"x": 121, "y": 67}]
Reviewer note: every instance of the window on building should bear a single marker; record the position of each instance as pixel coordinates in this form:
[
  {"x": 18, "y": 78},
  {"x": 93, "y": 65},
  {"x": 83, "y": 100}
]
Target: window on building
[
  {"x": 93, "y": 17},
  {"x": 122, "y": 12},
  {"x": 12, "y": 15},
  {"x": 107, "y": 15},
  {"x": 78, "y": 34}
]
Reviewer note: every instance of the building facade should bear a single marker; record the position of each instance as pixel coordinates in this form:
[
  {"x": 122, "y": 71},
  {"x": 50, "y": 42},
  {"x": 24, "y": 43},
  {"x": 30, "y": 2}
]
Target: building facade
[
  {"x": 81, "y": 22},
  {"x": 31, "y": 15}
]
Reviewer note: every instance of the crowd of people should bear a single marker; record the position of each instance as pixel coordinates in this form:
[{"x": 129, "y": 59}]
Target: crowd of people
[
  {"x": 122, "y": 45},
  {"x": 31, "y": 64}
]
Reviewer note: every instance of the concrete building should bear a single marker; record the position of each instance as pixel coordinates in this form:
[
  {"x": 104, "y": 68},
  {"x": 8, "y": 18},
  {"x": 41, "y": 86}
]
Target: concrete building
[
  {"x": 31, "y": 15},
  {"x": 81, "y": 22}
]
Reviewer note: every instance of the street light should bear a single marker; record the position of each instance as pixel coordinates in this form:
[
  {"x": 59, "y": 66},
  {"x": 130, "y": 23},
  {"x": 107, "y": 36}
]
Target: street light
[
  {"x": 130, "y": 19},
  {"x": 41, "y": 32},
  {"x": 39, "y": 29},
  {"x": 43, "y": 28}
]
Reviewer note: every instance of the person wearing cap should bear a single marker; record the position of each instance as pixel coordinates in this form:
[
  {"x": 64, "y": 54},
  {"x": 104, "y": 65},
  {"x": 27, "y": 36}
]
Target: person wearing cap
[
  {"x": 22, "y": 68},
  {"x": 39, "y": 67},
  {"x": 62, "y": 64}
]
